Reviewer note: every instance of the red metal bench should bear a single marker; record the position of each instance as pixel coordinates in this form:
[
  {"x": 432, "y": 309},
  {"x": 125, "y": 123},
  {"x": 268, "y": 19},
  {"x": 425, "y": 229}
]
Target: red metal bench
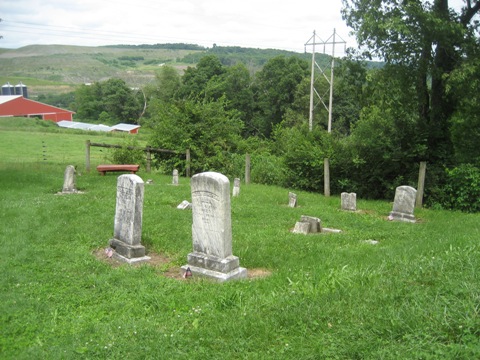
[{"x": 102, "y": 169}]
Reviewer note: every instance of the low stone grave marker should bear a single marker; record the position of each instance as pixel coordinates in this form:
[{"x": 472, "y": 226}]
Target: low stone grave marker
[
  {"x": 301, "y": 228},
  {"x": 127, "y": 235},
  {"x": 311, "y": 225},
  {"x": 292, "y": 199},
  {"x": 175, "y": 177},
  {"x": 404, "y": 204},
  {"x": 349, "y": 201},
  {"x": 307, "y": 225},
  {"x": 212, "y": 230},
  {"x": 69, "y": 183},
  {"x": 184, "y": 205},
  {"x": 236, "y": 187}
]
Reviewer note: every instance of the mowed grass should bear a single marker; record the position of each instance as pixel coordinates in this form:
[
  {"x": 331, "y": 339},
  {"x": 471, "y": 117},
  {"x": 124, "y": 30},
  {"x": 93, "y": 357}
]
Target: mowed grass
[
  {"x": 35, "y": 142},
  {"x": 414, "y": 295}
]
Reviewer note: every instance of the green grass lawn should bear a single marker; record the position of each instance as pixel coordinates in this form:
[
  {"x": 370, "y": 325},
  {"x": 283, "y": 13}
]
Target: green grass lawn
[{"x": 414, "y": 295}]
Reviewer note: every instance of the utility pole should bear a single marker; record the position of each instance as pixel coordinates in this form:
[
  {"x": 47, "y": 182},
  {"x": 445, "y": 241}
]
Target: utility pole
[
  {"x": 330, "y": 41},
  {"x": 313, "y": 92},
  {"x": 312, "y": 41}
]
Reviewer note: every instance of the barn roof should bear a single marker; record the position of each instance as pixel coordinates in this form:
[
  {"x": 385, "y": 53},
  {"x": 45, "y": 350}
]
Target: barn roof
[
  {"x": 125, "y": 127},
  {"x": 6, "y": 98},
  {"x": 84, "y": 126},
  {"x": 17, "y": 105}
]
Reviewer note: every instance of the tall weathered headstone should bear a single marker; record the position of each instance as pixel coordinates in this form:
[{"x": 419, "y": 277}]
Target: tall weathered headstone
[
  {"x": 69, "y": 185},
  {"x": 404, "y": 204},
  {"x": 236, "y": 187},
  {"x": 212, "y": 229},
  {"x": 292, "y": 199},
  {"x": 128, "y": 220},
  {"x": 349, "y": 201},
  {"x": 175, "y": 177}
]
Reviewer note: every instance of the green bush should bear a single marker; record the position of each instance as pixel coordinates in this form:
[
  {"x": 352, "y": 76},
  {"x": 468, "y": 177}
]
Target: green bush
[
  {"x": 462, "y": 189},
  {"x": 267, "y": 169},
  {"x": 127, "y": 155},
  {"x": 303, "y": 152}
]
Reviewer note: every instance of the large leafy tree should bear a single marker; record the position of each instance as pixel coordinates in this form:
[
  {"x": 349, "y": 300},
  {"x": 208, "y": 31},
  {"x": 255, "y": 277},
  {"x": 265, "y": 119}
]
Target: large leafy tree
[
  {"x": 209, "y": 129},
  {"x": 430, "y": 39},
  {"x": 195, "y": 79},
  {"x": 275, "y": 88},
  {"x": 166, "y": 86},
  {"x": 111, "y": 100}
]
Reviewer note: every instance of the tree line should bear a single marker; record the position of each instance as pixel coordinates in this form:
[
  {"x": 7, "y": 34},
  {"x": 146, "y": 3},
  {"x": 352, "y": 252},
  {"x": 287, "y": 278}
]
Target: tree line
[{"x": 421, "y": 105}]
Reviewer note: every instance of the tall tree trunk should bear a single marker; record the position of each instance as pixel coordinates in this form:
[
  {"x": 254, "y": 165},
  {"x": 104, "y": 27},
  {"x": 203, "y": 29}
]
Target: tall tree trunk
[
  {"x": 439, "y": 142},
  {"x": 423, "y": 93}
]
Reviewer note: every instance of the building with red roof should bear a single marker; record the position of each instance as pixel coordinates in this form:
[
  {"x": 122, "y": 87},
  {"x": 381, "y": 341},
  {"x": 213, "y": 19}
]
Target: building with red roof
[{"x": 17, "y": 105}]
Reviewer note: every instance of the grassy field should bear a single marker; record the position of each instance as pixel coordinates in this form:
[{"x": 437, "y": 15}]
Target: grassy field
[{"x": 414, "y": 295}]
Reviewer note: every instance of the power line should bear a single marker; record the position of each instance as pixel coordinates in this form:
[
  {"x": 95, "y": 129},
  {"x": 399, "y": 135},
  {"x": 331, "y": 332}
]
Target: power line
[
  {"x": 108, "y": 36},
  {"x": 65, "y": 31}
]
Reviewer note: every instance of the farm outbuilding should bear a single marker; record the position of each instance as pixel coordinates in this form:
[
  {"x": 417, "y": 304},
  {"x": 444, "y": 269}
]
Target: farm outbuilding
[
  {"x": 17, "y": 105},
  {"x": 130, "y": 128}
]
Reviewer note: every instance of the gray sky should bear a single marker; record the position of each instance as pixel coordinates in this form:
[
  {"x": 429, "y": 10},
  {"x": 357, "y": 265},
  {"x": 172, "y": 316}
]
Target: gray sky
[{"x": 279, "y": 24}]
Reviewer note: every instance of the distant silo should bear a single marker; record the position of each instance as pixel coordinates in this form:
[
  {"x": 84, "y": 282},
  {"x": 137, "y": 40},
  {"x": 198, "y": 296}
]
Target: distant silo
[
  {"x": 21, "y": 89},
  {"x": 8, "y": 89}
]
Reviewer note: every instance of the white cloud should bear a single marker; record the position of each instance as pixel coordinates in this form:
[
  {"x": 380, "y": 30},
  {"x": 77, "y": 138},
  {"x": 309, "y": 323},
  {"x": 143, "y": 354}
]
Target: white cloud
[{"x": 248, "y": 23}]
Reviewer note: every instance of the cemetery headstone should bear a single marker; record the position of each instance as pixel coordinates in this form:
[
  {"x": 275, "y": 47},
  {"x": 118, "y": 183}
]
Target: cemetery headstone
[
  {"x": 292, "y": 199},
  {"x": 307, "y": 225},
  {"x": 349, "y": 201},
  {"x": 315, "y": 223},
  {"x": 128, "y": 220},
  {"x": 301, "y": 227},
  {"x": 175, "y": 177},
  {"x": 212, "y": 230},
  {"x": 69, "y": 180},
  {"x": 236, "y": 187},
  {"x": 404, "y": 204}
]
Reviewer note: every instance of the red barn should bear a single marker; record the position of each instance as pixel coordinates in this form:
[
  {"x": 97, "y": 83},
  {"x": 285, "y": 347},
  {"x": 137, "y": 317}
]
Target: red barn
[{"x": 17, "y": 105}]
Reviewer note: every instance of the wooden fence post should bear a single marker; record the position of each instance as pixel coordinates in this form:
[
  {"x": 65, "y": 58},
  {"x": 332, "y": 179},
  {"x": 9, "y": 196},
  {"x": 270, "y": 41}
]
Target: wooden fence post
[
  {"x": 326, "y": 176},
  {"x": 247, "y": 168},
  {"x": 149, "y": 159},
  {"x": 421, "y": 184},
  {"x": 87, "y": 156},
  {"x": 187, "y": 166}
]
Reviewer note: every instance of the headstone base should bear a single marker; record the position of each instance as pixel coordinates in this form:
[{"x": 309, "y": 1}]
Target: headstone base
[
  {"x": 237, "y": 274},
  {"x": 126, "y": 250},
  {"x": 331, "y": 231},
  {"x": 132, "y": 260},
  {"x": 398, "y": 216},
  {"x": 215, "y": 268}
]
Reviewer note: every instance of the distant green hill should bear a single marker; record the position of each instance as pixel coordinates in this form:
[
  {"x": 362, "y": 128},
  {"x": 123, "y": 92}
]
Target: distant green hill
[{"x": 60, "y": 68}]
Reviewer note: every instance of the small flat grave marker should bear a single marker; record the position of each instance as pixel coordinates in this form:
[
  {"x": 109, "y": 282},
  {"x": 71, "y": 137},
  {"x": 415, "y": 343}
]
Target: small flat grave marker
[
  {"x": 236, "y": 187},
  {"x": 175, "y": 177},
  {"x": 292, "y": 199},
  {"x": 349, "y": 201},
  {"x": 184, "y": 205}
]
